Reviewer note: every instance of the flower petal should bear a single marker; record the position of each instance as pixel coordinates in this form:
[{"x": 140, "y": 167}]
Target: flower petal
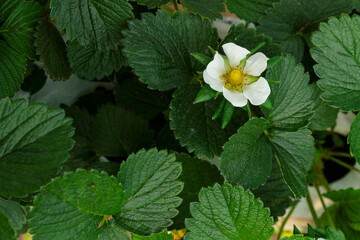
[
  {"x": 236, "y": 98},
  {"x": 257, "y": 92},
  {"x": 234, "y": 53},
  {"x": 216, "y": 67},
  {"x": 256, "y": 64},
  {"x": 215, "y": 83}
]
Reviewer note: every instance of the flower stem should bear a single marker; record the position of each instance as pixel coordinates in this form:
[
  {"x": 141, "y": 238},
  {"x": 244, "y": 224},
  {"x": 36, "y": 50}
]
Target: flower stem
[
  {"x": 348, "y": 166},
  {"x": 331, "y": 222},
  {"x": 175, "y": 5},
  {"x": 312, "y": 210},
  {"x": 340, "y": 154},
  {"x": 287, "y": 218},
  {"x": 258, "y": 47},
  {"x": 248, "y": 110}
]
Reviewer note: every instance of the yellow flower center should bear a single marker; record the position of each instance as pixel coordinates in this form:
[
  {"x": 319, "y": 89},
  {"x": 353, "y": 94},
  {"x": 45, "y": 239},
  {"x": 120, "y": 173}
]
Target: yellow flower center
[{"x": 234, "y": 79}]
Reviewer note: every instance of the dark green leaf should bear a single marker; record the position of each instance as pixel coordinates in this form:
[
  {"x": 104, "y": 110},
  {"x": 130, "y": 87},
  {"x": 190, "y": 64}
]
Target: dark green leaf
[
  {"x": 249, "y": 10},
  {"x": 246, "y": 159},
  {"x": 291, "y": 97},
  {"x": 6, "y": 230},
  {"x": 227, "y": 114},
  {"x": 338, "y": 62},
  {"x": 354, "y": 138},
  {"x": 97, "y": 22},
  {"x": 294, "y": 152},
  {"x": 206, "y": 93},
  {"x": 15, "y": 212},
  {"x": 209, "y": 9},
  {"x": 157, "y": 236},
  {"x": 226, "y": 212},
  {"x": 166, "y": 140},
  {"x": 151, "y": 3},
  {"x": 117, "y": 132},
  {"x": 35, "y": 81},
  {"x": 62, "y": 208},
  {"x": 51, "y": 48},
  {"x": 193, "y": 124},
  {"x": 112, "y": 231},
  {"x": 196, "y": 174},
  {"x": 34, "y": 141},
  {"x": 159, "y": 47},
  {"x": 149, "y": 180}
]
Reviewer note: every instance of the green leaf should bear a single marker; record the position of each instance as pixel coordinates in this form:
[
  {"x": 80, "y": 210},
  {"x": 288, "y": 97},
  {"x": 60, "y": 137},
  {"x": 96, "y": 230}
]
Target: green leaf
[
  {"x": 35, "y": 81},
  {"x": 298, "y": 237},
  {"x": 149, "y": 180},
  {"x": 6, "y": 230},
  {"x": 193, "y": 124},
  {"x": 291, "y": 97},
  {"x": 157, "y": 236},
  {"x": 247, "y": 38},
  {"x": 206, "y": 93},
  {"x": 354, "y": 138},
  {"x": 161, "y": 56},
  {"x": 91, "y": 63},
  {"x": 325, "y": 115},
  {"x": 275, "y": 193},
  {"x": 51, "y": 48},
  {"x": 209, "y": 9},
  {"x": 15, "y": 212},
  {"x": 227, "y": 114},
  {"x": 62, "y": 208},
  {"x": 246, "y": 159},
  {"x": 151, "y": 3},
  {"x": 249, "y": 10},
  {"x": 227, "y": 212},
  {"x": 338, "y": 63},
  {"x": 18, "y": 28},
  {"x": 332, "y": 234},
  {"x": 196, "y": 174},
  {"x": 135, "y": 96},
  {"x": 294, "y": 152},
  {"x": 202, "y": 58},
  {"x": 112, "y": 231},
  {"x": 34, "y": 141},
  {"x": 93, "y": 22},
  {"x": 117, "y": 132}
]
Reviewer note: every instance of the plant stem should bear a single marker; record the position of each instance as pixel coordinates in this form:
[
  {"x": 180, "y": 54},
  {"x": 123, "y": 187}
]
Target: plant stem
[
  {"x": 312, "y": 210},
  {"x": 341, "y": 163},
  {"x": 287, "y": 218},
  {"x": 175, "y": 5},
  {"x": 248, "y": 110},
  {"x": 258, "y": 47},
  {"x": 340, "y": 154},
  {"x": 331, "y": 222}
]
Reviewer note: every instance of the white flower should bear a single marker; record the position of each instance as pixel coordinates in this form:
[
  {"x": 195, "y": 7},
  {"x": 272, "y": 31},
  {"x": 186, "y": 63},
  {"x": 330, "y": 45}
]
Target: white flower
[{"x": 237, "y": 77}]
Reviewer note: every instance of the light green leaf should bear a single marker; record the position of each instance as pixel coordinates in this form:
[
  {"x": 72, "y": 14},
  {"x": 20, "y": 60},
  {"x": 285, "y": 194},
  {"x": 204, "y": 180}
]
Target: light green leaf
[
  {"x": 249, "y": 10},
  {"x": 247, "y": 38},
  {"x": 135, "y": 96},
  {"x": 149, "y": 180},
  {"x": 294, "y": 152},
  {"x": 161, "y": 56},
  {"x": 117, "y": 132},
  {"x": 246, "y": 159},
  {"x": 97, "y": 22},
  {"x": 63, "y": 207},
  {"x": 193, "y": 124},
  {"x": 209, "y": 9},
  {"x": 18, "y": 28},
  {"x": 91, "y": 63},
  {"x": 151, "y": 3},
  {"x": 354, "y": 138},
  {"x": 6, "y": 230},
  {"x": 325, "y": 115},
  {"x": 275, "y": 193},
  {"x": 196, "y": 174},
  {"x": 298, "y": 237},
  {"x": 332, "y": 234},
  {"x": 51, "y": 48},
  {"x": 291, "y": 97},
  {"x": 34, "y": 141},
  {"x": 227, "y": 212},
  {"x": 15, "y": 212},
  {"x": 157, "y": 236},
  {"x": 338, "y": 62}
]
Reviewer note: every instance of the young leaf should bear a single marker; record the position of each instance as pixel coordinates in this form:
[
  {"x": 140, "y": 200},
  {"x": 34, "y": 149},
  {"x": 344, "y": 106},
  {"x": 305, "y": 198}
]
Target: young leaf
[
  {"x": 161, "y": 56},
  {"x": 249, "y": 10},
  {"x": 51, "y": 48},
  {"x": 294, "y": 152},
  {"x": 6, "y": 230},
  {"x": 209, "y": 9},
  {"x": 338, "y": 62},
  {"x": 157, "y": 236},
  {"x": 246, "y": 159},
  {"x": 151, "y": 3},
  {"x": 206, "y": 93},
  {"x": 37, "y": 142},
  {"x": 227, "y": 114},
  {"x": 149, "y": 180},
  {"x": 193, "y": 124},
  {"x": 117, "y": 132},
  {"x": 15, "y": 212},
  {"x": 98, "y": 22},
  {"x": 227, "y": 212},
  {"x": 92, "y": 63},
  {"x": 74, "y": 205},
  {"x": 291, "y": 97},
  {"x": 354, "y": 138}
]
